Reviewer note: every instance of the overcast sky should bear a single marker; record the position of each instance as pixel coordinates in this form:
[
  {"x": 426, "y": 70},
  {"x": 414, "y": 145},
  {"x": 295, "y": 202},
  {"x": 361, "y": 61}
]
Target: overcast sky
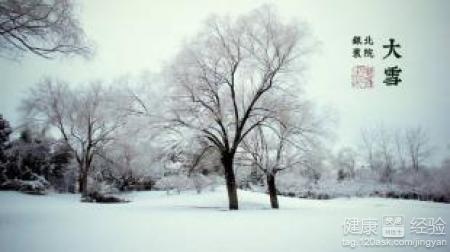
[{"x": 137, "y": 35}]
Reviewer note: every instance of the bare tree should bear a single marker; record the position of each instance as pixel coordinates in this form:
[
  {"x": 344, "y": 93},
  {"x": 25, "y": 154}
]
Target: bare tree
[
  {"x": 385, "y": 145},
  {"x": 368, "y": 147},
  {"x": 346, "y": 162},
  {"x": 281, "y": 145},
  {"x": 417, "y": 141},
  {"x": 86, "y": 119},
  {"x": 42, "y": 27},
  {"x": 379, "y": 147},
  {"x": 223, "y": 75},
  {"x": 399, "y": 141},
  {"x": 267, "y": 156}
]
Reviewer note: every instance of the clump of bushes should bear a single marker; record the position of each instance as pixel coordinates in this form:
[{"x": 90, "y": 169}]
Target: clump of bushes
[
  {"x": 35, "y": 187},
  {"x": 97, "y": 197},
  {"x": 101, "y": 192}
]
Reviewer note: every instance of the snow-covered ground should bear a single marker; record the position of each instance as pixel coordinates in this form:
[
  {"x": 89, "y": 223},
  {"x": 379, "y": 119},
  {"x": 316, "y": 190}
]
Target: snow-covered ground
[{"x": 155, "y": 221}]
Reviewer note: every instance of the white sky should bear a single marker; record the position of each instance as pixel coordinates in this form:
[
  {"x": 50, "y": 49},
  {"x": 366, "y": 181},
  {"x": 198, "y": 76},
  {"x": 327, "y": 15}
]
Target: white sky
[{"x": 137, "y": 35}]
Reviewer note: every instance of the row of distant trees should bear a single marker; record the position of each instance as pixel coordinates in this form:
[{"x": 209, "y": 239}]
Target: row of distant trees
[
  {"x": 132, "y": 160},
  {"x": 386, "y": 151}
]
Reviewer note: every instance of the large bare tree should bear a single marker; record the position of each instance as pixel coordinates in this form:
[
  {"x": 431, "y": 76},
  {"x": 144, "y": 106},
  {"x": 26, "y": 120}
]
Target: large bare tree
[
  {"x": 222, "y": 76},
  {"x": 42, "y": 27},
  {"x": 86, "y": 118}
]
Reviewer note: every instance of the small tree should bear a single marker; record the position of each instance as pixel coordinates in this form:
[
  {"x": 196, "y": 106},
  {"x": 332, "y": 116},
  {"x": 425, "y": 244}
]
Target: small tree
[
  {"x": 346, "y": 163},
  {"x": 282, "y": 144},
  {"x": 417, "y": 142},
  {"x": 368, "y": 148}
]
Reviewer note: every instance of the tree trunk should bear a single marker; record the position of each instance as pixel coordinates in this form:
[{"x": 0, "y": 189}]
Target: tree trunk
[
  {"x": 82, "y": 181},
  {"x": 415, "y": 164},
  {"x": 227, "y": 161},
  {"x": 85, "y": 182},
  {"x": 272, "y": 190}
]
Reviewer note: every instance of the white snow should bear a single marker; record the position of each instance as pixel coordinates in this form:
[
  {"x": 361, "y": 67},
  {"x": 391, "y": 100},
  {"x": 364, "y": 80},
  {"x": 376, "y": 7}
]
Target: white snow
[{"x": 156, "y": 221}]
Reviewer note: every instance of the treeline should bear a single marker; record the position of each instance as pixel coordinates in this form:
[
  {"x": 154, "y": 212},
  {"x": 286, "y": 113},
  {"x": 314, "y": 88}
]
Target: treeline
[{"x": 388, "y": 162}]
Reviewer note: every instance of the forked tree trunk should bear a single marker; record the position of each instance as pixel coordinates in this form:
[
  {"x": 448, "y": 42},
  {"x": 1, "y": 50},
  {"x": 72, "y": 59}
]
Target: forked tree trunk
[
  {"x": 227, "y": 161},
  {"x": 272, "y": 190}
]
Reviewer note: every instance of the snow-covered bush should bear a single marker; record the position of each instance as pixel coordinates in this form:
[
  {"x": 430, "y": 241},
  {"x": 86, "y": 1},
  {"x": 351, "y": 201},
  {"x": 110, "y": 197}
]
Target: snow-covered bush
[
  {"x": 101, "y": 187},
  {"x": 177, "y": 183},
  {"x": 182, "y": 182},
  {"x": 101, "y": 192},
  {"x": 38, "y": 186},
  {"x": 440, "y": 182},
  {"x": 39, "y": 162}
]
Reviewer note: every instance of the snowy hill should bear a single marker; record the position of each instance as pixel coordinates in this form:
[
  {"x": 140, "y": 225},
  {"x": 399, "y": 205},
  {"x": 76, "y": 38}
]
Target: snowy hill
[{"x": 155, "y": 221}]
